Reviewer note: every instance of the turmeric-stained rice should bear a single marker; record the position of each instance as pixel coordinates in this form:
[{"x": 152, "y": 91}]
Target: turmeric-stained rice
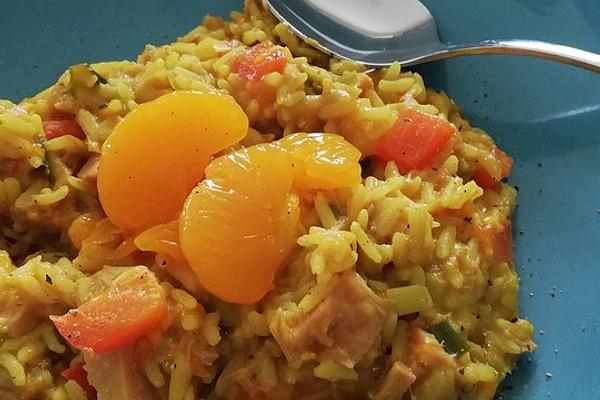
[{"x": 367, "y": 254}]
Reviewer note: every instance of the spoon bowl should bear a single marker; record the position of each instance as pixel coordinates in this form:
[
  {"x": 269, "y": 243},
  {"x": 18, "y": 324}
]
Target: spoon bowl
[{"x": 379, "y": 32}]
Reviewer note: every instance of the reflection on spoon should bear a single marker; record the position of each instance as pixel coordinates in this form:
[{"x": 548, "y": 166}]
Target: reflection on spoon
[{"x": 378, "y": 32}]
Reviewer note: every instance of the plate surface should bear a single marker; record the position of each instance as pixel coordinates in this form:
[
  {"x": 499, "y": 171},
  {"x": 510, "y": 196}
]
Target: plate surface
[{"x": 546, "y": 115}]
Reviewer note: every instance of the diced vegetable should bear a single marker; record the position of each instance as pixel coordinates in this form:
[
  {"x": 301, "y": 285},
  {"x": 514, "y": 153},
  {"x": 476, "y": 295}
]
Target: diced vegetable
[
  {"x": 260, "y": 60},
  {"x": 484, "y": 179},
  {"x": 409, "y": 299},
  {"x": 158, "y": 153},
  {"x": 61, "y": 127},
  {"x": 84, "y": 85},
  {"x": 415, "y": 140},
  {"x": 101, "y": 80},
  {"x": 76, "y": 373},
  {"x": 132, "y": 306},
  {"x": 85, "y": 75},
  {"x": 334, "y": 372},
  {"x": 452, "y": 341}
]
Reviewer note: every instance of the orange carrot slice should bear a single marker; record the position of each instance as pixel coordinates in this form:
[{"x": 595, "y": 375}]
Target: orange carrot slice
[
  {"x": 132, "y": 306},
  {"x": 415, "y": 140}
]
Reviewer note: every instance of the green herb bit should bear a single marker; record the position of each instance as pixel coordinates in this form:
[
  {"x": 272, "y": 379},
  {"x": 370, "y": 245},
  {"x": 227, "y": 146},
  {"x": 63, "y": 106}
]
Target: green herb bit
[
  {"x": 454, "y": 343},
  {"x": 101, "y": 79}
]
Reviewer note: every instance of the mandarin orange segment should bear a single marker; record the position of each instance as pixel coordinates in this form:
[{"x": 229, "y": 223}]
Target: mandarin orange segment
[
  {"x": 239, "y": 224},
  {"x": 323, "y": 160},
  {"x": 162, "y": 239},
  {"x": 158, "y": 153}
]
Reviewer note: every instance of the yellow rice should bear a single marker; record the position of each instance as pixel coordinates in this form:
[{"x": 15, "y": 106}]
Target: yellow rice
[{"x": 387, "y": 229}]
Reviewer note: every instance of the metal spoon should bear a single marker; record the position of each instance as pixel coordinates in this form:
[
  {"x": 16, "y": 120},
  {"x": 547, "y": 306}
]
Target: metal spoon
[{"x": 378, "y": 32}]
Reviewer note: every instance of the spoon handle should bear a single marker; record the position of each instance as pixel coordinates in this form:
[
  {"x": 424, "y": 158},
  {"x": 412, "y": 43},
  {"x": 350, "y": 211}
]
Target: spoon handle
[{"x": 532, "y": 48}]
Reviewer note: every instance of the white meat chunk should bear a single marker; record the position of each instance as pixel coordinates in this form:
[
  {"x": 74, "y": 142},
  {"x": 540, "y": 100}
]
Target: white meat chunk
[
  {"x": 89, "y": 171},
  {"x": 16, "y": 316},
  {"x": 341, "y": 328},
  {"x": 117, "y": 375},
  {"x": 394, "y": 384}
]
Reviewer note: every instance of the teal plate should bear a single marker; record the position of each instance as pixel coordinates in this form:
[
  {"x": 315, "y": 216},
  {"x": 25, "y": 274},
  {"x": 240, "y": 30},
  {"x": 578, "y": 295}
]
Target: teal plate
[{"x": 547, "y": 116}]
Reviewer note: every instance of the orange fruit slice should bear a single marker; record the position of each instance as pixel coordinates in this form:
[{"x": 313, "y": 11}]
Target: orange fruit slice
[
  {"x": 322, "y": 160},
  {"x": 158, "y": 153},
  {"x": 162, "y": 239},
  {"x": 238, "y": 225}
]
